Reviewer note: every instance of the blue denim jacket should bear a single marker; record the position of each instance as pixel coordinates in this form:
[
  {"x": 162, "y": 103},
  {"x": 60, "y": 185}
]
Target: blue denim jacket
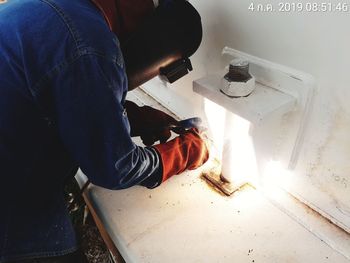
[{"x": 62, "y": 89}]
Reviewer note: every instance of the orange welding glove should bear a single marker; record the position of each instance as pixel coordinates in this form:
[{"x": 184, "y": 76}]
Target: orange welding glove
[
  {"x": 187, "y": 151},
  {"x": 150, "y": 124}
]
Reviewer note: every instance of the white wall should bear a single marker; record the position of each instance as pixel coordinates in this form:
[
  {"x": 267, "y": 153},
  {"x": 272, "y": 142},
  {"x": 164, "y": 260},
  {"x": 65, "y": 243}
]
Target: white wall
[{"x": 316, "y": 43}]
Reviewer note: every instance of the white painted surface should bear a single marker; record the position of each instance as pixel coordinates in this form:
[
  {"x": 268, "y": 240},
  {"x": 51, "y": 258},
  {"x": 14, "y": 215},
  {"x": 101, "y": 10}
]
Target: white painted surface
[
  {"x": 313, "y": 42},
  {"x": 262, "y": 102},
  {"x": 185, "y": 221}
]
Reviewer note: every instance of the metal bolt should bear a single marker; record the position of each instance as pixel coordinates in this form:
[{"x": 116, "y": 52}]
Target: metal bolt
[{"x": 238, "y": 71}]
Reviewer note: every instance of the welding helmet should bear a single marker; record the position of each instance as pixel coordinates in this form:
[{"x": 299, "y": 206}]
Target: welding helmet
[{"x": 163, "y": 43}]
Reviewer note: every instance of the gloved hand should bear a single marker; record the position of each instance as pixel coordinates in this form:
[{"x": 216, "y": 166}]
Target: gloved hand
[
  {"x": 150, "y": 124},
  {"x": 187, "y": 151}
]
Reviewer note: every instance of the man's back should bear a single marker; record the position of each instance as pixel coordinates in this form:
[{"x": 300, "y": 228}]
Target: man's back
[{"x": 38, "y": 39}]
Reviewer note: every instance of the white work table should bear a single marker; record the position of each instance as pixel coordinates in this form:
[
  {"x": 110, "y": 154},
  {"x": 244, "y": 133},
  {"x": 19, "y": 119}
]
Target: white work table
[{"x": 184, "y": 220}]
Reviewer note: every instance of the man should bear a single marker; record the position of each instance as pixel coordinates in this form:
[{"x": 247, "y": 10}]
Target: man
[{"x": 63, "y": 84}]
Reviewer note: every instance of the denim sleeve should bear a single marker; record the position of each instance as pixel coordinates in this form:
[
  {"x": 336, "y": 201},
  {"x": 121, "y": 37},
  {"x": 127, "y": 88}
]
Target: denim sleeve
[{"x": 88, "y": 96}]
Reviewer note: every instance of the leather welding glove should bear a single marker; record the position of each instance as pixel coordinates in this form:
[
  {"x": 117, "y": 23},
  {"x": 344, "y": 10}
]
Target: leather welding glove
[
  {"x": 187, "y": 151},
  {"x": 150, "y": 124}
]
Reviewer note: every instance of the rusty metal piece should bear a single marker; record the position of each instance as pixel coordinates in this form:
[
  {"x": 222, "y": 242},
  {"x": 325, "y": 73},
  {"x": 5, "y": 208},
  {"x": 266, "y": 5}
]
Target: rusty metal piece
[{"x": 219, "y": 183}]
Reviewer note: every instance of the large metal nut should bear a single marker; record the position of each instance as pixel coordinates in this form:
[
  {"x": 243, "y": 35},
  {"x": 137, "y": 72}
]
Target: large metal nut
[{"x": 237, "y": 89}]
